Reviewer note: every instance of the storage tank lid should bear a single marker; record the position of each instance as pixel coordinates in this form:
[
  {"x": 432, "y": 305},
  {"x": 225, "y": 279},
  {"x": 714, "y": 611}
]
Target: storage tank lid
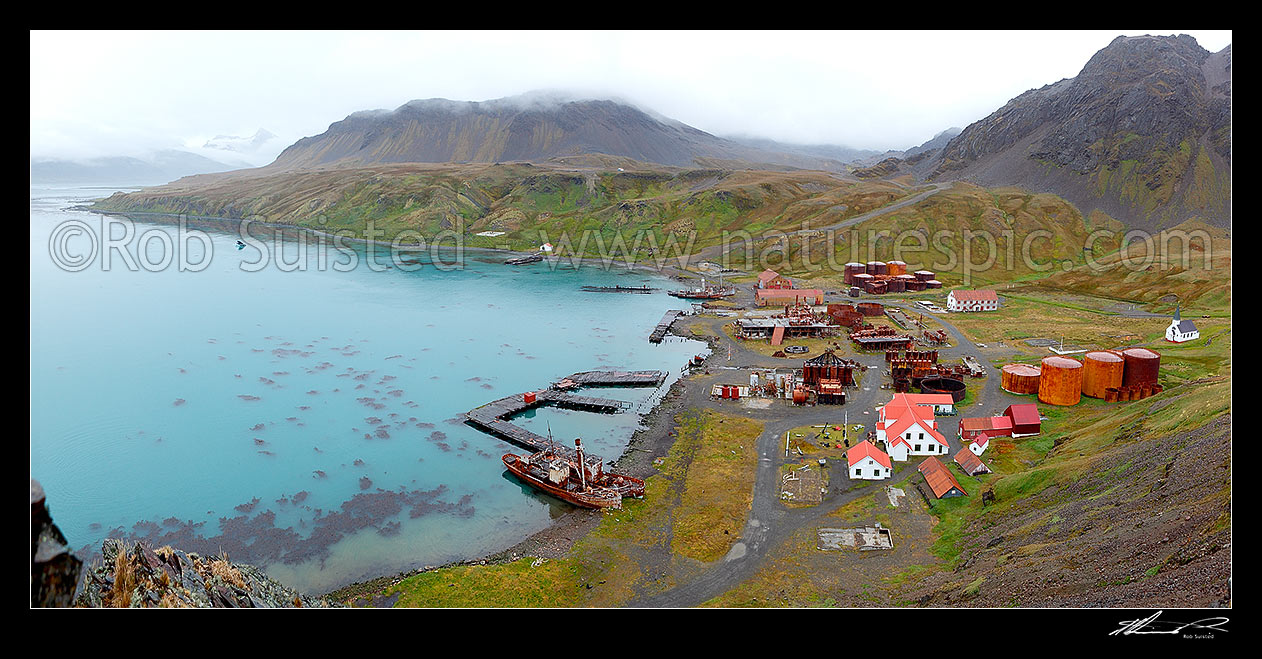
[
  {"x": 1061, "y": 362},
  {"x": 1141, "y": 353},
  {"x": 1021, "y": 369},
  {"x": 1103, "y": 356}
]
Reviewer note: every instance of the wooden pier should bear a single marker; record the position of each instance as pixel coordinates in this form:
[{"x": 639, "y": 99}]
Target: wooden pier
[
  {"x": 663, "y": 327},
  {"x": 493, "y": 417}
]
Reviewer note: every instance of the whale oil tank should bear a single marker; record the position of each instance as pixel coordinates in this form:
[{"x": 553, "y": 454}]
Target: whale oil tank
[
  {"x": 1020, "y": 378},
  {"x": 1100, "y": 371},
  {"x": 1141, "y": 366},
  {"x": 1060, "y": 381}
]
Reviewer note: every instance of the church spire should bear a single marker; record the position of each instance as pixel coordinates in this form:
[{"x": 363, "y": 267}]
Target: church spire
[{"x": 1176, "y": 311}]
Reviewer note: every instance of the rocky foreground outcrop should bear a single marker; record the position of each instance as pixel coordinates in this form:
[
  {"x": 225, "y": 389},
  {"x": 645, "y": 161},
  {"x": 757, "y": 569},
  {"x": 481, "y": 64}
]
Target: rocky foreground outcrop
[
  {"x": 54, "y": 569},
  {"x": 135, "y": 576}
]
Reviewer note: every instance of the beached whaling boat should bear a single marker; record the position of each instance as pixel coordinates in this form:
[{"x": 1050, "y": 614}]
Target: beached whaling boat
[{"x": 566, "y": 478}]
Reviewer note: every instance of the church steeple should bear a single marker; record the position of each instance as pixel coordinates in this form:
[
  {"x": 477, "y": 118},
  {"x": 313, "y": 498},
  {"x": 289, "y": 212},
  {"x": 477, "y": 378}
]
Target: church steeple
[{"x": 1176, "y": 312}]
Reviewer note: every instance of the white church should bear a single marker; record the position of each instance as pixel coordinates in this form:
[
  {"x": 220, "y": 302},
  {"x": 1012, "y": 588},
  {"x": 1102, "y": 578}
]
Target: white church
[{"x": 1181, "y": 330}]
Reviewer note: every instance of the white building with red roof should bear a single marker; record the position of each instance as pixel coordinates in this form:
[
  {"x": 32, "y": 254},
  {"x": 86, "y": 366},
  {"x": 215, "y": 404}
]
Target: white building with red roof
[
  {"x": 867, "y": 462},
  {"x": 908, "y": 427},
  {"x": 979, "y": 300}
]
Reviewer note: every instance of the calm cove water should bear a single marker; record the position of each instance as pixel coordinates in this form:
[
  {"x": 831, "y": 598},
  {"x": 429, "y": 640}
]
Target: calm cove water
[{"x": 309, "y": 421}]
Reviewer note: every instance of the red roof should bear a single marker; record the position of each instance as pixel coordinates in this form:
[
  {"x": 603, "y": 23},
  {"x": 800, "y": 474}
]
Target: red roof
[
  {"x": 971, "y": 464},
  {"x": 985, "y": 295},
  {"x": 900, "y": 413},
  {"x": 768, "y": 275},
  {"x": 981, "y": 440},
  {"x": 938, "y": 477},
  {"x": 997, "y": 424},
  {"x": 866, "y": 449},
  {"x": 1023, "y": 414}
]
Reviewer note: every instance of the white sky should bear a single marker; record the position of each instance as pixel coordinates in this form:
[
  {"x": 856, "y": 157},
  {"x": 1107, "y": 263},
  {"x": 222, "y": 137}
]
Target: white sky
[{"x": 125, "y": 93}]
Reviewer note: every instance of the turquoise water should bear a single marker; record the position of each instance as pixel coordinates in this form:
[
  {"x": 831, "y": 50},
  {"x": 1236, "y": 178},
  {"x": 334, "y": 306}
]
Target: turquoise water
[{"x": 165, "y": 403}]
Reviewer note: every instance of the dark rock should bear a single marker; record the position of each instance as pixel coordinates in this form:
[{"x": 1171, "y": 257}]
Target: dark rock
[{"x": 54, "y": 569}]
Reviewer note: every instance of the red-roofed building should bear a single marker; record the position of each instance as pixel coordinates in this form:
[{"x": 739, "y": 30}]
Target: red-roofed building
[
  {"x": 979, "y": 444},
  {"x": 980, "y": 300},
  {"x": 773, "y": 280},
  {"x": 765, "y": 296},
  {"x": 971, "y": 464},
  {"x": 940, "y": 479},
  {"x": 867, "y": 462},
  {"x": 995, "y": 426},
  {"x": 909, "y": 428},
  {"x": 1025, "y": 419},
  {"x": 941, "y": 403}
]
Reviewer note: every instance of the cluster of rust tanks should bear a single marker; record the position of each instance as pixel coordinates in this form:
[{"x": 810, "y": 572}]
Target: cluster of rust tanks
[{"x": 1110, "y": 375}]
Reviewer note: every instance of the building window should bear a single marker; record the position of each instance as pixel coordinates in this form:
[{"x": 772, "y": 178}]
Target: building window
[
  {"x": 858, "y": 472},
  {"x": 917, "y": 449}
]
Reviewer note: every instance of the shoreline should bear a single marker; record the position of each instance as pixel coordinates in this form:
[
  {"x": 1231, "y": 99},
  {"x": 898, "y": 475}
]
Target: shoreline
[
  {"x": 669, "y": 271},
  {"x": 650, "y": 441}
]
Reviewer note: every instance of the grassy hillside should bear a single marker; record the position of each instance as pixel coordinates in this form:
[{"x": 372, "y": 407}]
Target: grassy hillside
[{"x": 968, "y": 234}]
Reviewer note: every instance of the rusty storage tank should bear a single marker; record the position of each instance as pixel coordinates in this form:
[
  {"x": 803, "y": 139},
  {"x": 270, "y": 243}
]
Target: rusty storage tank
[
  {"x": 896, "y": 285},
  {"x": 915, "y": 285},
  {"x": 895, "y": 268},
  {"x": 933, "y": 283},
  {"x": 925, "y": 275},
  {"x": 871, "y": 308},
  {"x": 1020, "y": 378},
  {"x": 941, "y": 385},
  {"x": 878, "y": 286},
  {"x": 861, "y": 280},
  {"x": 1141, "y": 366},
  {"x": 853, "y": 269},
  {"x": 877, "y": 268},
  {"x": 1101, "y": 370},
  {"x": 1060, "y": 381}
]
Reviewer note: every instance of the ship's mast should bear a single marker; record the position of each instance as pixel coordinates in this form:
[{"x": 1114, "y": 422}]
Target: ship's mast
[{"x": 582, "y": 467}]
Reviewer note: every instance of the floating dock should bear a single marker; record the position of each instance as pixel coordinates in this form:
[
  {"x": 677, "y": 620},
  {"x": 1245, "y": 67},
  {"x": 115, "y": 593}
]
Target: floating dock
[{"x": 663, "y": 327}]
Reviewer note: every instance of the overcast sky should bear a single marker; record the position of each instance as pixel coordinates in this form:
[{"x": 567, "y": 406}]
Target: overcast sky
[{"x": 125, "y": 93}]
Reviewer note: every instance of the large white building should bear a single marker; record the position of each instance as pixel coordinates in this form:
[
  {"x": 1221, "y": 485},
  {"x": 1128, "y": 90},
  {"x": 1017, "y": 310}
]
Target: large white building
[
  {"x": 907, "y": 426},
  {"x": 1181, "y": 330},
  {"x": 980, "y": 300}
]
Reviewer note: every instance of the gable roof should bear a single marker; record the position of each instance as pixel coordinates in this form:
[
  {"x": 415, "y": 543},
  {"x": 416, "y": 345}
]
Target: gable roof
[
  {"x": 981, "y": 440},
  {"x": 1023, "y": 414},
  {"x": 901, "y": 413},
  {"x": 866, "y": 449},
  {"x": 767, "y": 275},
  {"x": 971, "y": 464},
  {"x": 997, "y": 424},
  {"x": 985, "y": 295},
  {"x": 1186, "y": 326},
  {"x": 938, "y": 477}
]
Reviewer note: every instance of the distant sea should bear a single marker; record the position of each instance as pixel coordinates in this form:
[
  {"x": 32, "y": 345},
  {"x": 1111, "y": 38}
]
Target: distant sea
[{"x": 308, "y": 421}]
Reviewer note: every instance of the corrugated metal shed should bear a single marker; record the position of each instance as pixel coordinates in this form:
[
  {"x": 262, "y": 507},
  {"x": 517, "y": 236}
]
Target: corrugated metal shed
[{"x": 940, "y": 479}]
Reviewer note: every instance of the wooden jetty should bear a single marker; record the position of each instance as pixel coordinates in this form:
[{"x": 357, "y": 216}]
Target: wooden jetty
[
  {"x": 663, "y": 327},
  {"x": 618, "y": 289},
  {"x": 493, "y": 417}
]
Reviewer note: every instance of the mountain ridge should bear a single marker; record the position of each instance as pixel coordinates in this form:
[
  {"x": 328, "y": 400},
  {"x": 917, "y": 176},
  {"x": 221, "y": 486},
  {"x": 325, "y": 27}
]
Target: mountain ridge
[{"x": 1143, "y": 133}]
